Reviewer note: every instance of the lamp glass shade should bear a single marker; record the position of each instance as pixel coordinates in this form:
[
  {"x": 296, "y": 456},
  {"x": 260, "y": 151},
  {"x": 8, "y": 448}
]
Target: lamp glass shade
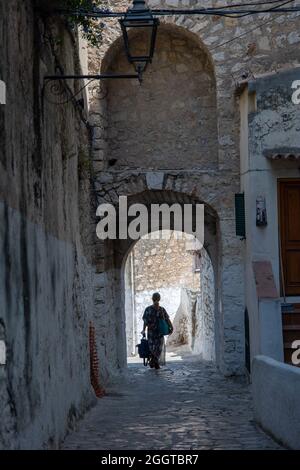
[{"x": 139, "y": 29}]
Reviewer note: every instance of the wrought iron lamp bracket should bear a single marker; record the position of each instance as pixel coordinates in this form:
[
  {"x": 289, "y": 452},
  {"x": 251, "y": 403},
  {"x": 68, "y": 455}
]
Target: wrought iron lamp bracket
[
  {"x": 58, "y": 89},
  {"x": 107, "y": 76},
  {"x": 138, "y": 76}
]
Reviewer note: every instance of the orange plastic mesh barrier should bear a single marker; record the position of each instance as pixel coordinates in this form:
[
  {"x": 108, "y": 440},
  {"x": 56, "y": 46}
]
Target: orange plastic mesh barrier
[{"x": 94, "y": 364}]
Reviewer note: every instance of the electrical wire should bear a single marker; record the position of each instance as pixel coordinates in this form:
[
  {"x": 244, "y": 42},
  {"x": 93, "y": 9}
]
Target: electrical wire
[
  {"x": 243, "y": 34},
  {"x": 277, "y": 4},
  {"x": 226, "y": 13},
  {"x": 237, "y": 5},
  {"x": 240, "y": 36},
  {"x": 281, "y": 4},
  {"x": 216, "y": 11}
]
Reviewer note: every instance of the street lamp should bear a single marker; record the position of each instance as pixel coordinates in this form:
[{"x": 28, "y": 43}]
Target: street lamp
[
  {"x": 139, "y": 18},
  {"x": 139, "y": 50}
]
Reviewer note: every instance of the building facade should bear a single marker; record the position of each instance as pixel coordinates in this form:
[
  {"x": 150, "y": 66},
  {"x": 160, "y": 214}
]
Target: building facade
[{"x": 270, "y": 181}]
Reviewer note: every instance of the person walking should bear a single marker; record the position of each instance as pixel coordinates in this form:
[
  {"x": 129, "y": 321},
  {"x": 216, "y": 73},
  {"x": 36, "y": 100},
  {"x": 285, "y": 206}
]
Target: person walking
[{"x": 152, "y": 316}]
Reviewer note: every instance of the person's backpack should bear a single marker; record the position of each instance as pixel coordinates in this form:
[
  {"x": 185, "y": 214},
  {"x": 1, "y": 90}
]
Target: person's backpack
[{"x": 143, "y": 350}]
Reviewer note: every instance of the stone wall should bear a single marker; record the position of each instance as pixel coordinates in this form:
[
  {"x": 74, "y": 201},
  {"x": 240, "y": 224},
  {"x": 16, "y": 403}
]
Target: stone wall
[
  {"x": 263, "y": 43},
  {"x": 164, "y": 263},
  {"x": 185, "y": 321},
  {"x": 46, "y": 276},
  {"x": 206, "y": 323},
  {"x": 194, "y": 322},
  {"x": 172, "y": 117}
]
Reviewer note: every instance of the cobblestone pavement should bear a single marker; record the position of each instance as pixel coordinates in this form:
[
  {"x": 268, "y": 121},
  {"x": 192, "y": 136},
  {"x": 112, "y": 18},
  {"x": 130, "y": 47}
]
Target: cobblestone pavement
[{"x": 185, "y": 405}]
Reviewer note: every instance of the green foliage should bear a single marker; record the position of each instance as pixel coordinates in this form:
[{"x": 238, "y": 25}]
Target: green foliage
[
  {"x": 91, "y": 28},
  {"x": 84, "y": 163}
]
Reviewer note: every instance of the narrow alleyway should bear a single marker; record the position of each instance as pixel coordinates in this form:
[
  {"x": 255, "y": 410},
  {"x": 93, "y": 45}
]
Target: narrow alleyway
[{"x": 187, "y": 405}]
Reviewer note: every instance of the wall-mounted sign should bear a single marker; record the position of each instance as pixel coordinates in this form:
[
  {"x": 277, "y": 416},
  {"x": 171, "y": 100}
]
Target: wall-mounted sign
[
  {"x": 2, "y": 92},
  {"x": 261, "y": 212}
]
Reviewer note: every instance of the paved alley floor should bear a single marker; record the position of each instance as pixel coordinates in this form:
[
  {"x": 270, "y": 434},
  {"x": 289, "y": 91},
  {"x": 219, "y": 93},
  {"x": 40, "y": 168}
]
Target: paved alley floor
[{"x": 187, "y": 405}]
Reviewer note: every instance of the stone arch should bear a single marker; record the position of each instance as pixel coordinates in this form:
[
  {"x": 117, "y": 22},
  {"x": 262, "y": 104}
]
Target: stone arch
[
  {"x": 149, "y": 197},
  {"x": 166, "y": 25},
  {"x": 172, "y": 117},
  {"x": 121, "y": 248},
  {"x": 215, "y": 191}
]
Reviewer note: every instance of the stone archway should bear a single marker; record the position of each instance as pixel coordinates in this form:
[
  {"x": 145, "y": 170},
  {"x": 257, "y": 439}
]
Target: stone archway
[
  {"x": 121, "y": 249},
  {"x": 220, "y": 242},
  {"x": 141, "y": 155}
]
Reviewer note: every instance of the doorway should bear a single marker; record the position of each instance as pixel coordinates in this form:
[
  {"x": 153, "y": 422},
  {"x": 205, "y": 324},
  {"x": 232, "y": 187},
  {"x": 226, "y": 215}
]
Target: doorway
[
  {"x": 289, "y": 229},
  {"x": 173, "y": 264}
]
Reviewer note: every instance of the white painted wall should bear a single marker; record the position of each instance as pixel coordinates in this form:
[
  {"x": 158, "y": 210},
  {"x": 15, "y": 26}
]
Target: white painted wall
[
  {"x": 46, "y": 304},
  {"x": 131, "y": 336},
  {"x": 269, "y": 329},
  {"x": 2, "y": 92},
  {"x": 276, "y": 391},
  {"x": 185, "y": 322},
  {"x": 205, "y": 337},
  {"x": 2, "y": 352}
]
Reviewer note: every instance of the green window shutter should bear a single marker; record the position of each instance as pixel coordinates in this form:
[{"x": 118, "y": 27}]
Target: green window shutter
[{"x": 240, "y": 218}]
